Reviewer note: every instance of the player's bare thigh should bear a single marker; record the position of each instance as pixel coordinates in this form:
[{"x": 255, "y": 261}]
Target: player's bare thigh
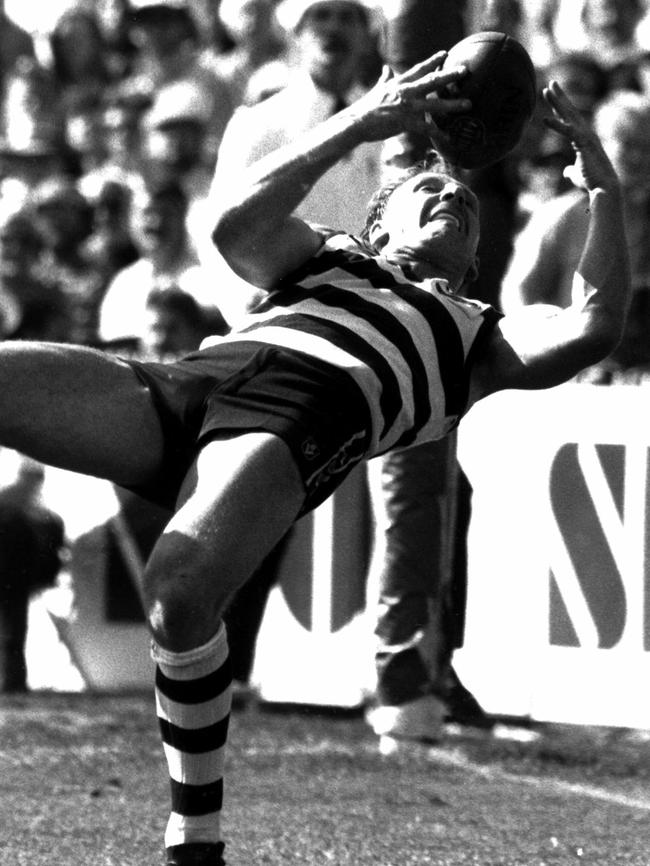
[
  {"x": 80, "y": 409},
  {"x": 240, "y": 498}
]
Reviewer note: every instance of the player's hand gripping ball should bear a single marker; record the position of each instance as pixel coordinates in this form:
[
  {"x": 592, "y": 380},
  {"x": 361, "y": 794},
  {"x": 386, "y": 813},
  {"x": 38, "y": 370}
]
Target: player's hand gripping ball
[{"x": 502, "y": 87}]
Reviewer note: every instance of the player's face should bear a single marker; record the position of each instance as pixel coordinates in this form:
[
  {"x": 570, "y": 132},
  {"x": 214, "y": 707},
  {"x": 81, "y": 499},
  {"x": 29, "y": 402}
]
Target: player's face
[{"x": 433, "y": 218}]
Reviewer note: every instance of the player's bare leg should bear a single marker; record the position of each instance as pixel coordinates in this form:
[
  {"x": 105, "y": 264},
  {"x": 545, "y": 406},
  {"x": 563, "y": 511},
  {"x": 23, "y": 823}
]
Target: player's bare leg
[
  {"x": 239, "y": 499},
  {"x": 79, "y": 409}
]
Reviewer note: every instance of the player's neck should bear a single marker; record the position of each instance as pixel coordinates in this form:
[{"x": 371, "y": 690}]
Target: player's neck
[{"x": 418, "y": 269}]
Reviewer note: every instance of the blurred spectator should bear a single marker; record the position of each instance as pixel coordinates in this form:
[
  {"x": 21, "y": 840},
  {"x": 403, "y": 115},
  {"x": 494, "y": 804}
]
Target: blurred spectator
[
  {"x": 119, "y": 47},
  {"x": 170, "y": 50},
  {"x": 41, "y": 306},
  {"x": 32, "y": 543},
  {"x": 331, "y": 39},
  {"x": 79, "y": 54},
  {"x": 14, "y": 43},
  {"x": 582, "y": 78},
  {"x": 65, "y": 219},
  {"x": 120, "y": 127},
  {"x": 167, "y": 261},
  {"x": 608, "y": 30},
  {"x": 23, "y": 167},
  {"x": 215, "y": 36},
  {"x": 175, "y": 325},
  {"x": 302, "y": 52},
  {"x": 84, "y": 133},
  {"x": 33, "y": 143},
  {"x": 175, "y": 145},
  {"x": 257, "y": 42},
  {"x": 110, "y": 246},
  {"x": 548, "y": 248},
  {"x": 79, "y": 61}
]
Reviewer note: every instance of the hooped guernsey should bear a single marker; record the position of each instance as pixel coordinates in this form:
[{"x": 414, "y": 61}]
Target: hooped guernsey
[{"x": 407, "y": 345}]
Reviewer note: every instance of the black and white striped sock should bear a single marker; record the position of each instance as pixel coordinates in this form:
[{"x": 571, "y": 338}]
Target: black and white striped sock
[{"x": 193, "y": 695}]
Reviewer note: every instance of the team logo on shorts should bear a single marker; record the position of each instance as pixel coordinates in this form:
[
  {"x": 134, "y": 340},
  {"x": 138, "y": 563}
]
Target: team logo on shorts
[
  {"x": 348, "y": 454},
  {"x": 310, "y": 448}
]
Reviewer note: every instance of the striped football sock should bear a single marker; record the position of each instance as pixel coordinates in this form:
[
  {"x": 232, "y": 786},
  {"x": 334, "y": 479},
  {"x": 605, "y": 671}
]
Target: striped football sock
[{"x": 193, "y": 693}]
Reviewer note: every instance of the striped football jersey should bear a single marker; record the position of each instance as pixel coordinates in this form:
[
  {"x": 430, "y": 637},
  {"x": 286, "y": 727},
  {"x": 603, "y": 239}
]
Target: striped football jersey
[{"x": 406, "y": 344}]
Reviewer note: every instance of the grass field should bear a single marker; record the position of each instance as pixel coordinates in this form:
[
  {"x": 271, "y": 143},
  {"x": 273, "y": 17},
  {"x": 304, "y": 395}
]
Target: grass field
[{"x": 82, "y": 782}]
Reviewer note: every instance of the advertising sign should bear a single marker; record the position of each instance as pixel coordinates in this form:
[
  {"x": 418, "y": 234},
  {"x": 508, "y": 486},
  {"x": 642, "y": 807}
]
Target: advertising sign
[{"x": 558, "y": 619}]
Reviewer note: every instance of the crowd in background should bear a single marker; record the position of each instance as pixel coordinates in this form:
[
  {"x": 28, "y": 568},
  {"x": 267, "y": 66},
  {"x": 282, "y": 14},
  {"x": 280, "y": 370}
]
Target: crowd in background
[{"x": 111, "y": 125}]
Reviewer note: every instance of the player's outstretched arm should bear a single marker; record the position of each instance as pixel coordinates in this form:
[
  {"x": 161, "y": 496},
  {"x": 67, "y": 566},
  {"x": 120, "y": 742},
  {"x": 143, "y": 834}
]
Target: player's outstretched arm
[
  {"x": 254, "y": 229},
  {"x": 541, "y": 346}
]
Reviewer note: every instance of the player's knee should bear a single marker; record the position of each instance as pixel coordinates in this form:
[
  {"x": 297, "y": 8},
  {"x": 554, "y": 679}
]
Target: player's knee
[{"x": 183, "y": 603}]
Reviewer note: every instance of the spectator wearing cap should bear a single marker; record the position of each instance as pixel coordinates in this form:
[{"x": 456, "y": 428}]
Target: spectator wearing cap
[
  {"x": 169, "y": 51},
  {"x": 167, "y": 260},
  {"x": 175, "y": 136},
  {"x": 176, "y": 145}
]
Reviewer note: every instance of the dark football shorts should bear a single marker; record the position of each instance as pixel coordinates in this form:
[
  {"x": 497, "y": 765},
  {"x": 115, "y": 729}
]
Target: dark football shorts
[{"x": 317, "y": 409}]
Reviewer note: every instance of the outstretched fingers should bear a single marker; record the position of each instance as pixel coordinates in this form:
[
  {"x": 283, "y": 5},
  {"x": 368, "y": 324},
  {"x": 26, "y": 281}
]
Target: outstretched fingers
[
  {"x": 434, "y": 83},
  {"x": 434, "y": 96},
  {"x": 412, "y": 100},
  {"x": 565, "y": 117},
  {"x": 592, "y": 168},
  {"x": 425, "y": 66}
]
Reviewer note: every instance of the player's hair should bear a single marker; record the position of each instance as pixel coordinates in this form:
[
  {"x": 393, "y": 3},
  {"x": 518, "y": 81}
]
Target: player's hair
[{"x": 377, "y": 204}]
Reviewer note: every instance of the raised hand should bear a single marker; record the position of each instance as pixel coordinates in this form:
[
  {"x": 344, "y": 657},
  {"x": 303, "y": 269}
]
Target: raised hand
[
  {"x": 592, "y": 168},
  {"x": 412, "y": 100}
]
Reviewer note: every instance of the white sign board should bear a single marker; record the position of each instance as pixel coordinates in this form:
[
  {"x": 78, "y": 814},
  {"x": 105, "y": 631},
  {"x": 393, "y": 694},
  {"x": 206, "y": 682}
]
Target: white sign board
[{"x": 558, "y": 616}]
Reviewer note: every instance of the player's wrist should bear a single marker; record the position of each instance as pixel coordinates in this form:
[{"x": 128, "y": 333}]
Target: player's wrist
[
  {"x": 355, "y": 125},
  {"x": 605, "y": 193}
]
